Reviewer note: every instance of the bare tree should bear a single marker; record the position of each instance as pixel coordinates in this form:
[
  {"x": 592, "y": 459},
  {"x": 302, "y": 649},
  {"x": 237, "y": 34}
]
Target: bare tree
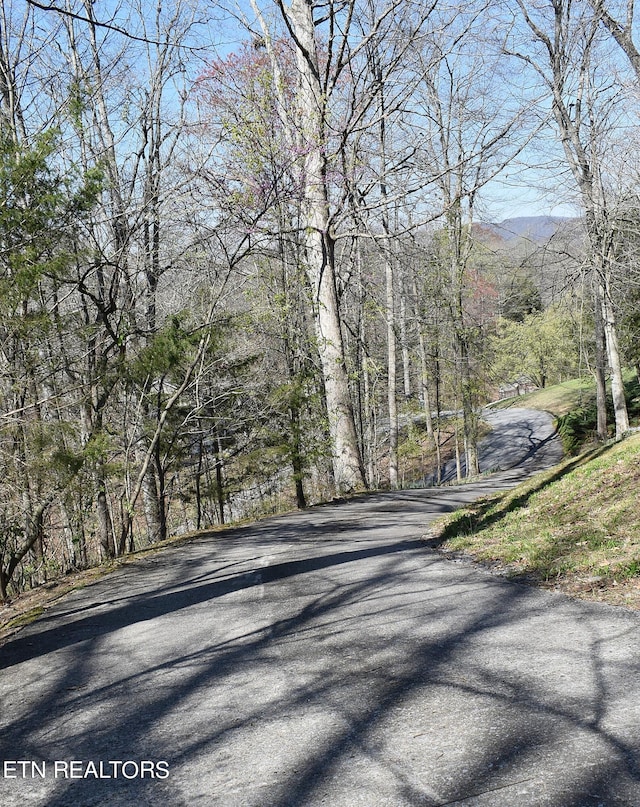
[
  {"x": 567, "y": 64},
  {"x": 470, "y": 134},
  {"x": 621, "y": 27},
  {"x": 309, "y": 136}
]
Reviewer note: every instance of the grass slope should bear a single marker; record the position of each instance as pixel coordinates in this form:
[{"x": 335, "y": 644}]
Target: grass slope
[
  {"x": 558, "y": 399},
  {"x": 575, "y": 527}
]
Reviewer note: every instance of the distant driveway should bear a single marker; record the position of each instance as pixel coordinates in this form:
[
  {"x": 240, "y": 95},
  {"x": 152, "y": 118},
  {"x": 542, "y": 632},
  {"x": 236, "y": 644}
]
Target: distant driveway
[
  {"x": 521, "y": 438},
  {"x": 328, "y": 658}
]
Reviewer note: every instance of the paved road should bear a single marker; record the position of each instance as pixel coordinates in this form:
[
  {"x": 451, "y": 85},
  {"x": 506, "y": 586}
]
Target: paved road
[
  {"x": 323, "y": 658},
  {"x": 522, "y": 439}
]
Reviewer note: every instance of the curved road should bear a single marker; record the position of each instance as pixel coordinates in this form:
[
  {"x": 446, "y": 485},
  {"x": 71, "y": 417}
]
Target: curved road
[
  {"x": 326, "y": 658},
  {"x": 522, "y": 439}
]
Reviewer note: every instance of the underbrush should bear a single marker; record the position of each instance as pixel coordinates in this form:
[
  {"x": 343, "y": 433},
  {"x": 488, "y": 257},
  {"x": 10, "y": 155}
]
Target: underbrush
[{"x": 578, "y": 427}]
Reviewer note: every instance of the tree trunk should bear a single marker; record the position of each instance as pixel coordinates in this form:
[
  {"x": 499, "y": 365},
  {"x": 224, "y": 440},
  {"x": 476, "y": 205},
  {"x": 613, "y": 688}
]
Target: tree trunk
[
  {"x": 436, "y": 431},
  {"x": 105, "y": 527},
  {"x": 469, "y": 413},
  {"x": 320, "y": 258},
  {"x": 392, "y": 402},
  {"x": 582, "y": 146},
  {"x": 461, "y": 345},
  {"x": 151, "y": 505},
  {"x": 424, "y": 381},
  {"x": 296, "y": 456},
  {"x": 613, "y": 356},
  {"x": 600, "y": 373},
  {"x": 456, "y": 434},
  {"x": 404, "y": 340},
  {"x": 369, "y": 429},
  {"x": 198, "y": 479},
  {"x": 217, "y": 452}
]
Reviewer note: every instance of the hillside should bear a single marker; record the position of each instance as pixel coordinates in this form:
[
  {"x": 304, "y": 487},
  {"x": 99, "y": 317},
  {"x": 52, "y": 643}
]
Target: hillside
[
  {"x": 575, "y": 528},
  {"x": 539, "y": 229},
  {"x": 559, "y": 399}
]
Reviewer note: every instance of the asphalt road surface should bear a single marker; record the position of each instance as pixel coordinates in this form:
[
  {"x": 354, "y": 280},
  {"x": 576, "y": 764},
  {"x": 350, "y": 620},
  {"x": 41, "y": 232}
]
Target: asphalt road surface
[{"x": 325, "y": 658}]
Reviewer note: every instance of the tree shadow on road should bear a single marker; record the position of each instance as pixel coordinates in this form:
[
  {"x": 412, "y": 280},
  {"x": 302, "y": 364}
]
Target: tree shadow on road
[
  {"x": 490, "y": 510},
  {"x": 162, "y": 601},
  {"x": 365, "y": 649}
]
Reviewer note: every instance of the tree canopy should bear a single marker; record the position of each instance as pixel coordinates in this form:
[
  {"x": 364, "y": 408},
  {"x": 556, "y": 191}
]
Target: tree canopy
[{"x": 243, "y": 246}]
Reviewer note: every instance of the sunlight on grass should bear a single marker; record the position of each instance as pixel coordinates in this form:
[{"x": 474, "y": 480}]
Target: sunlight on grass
[
  {"x": 558, "y": 399},
  {"x": 578, "y": 521}
]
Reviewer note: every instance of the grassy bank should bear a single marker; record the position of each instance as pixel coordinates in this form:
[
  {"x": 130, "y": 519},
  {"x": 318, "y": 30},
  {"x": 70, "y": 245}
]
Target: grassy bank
[
  {"x": 558, "y": 399},
  {"x": 573, "y": 404},
  {"x": 575, "y": 527}
]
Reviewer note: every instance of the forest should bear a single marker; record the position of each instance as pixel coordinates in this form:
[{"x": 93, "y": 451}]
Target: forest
[{"x": 249, "y": 259}]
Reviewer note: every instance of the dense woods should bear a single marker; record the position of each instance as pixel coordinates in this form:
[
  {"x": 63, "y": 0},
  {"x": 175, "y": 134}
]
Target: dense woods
[{"x": 246, "y": 259}]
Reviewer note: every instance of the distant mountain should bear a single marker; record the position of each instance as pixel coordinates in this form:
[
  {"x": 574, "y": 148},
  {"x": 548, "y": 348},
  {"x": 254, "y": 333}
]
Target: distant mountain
[{"x": 533, "y": 228}]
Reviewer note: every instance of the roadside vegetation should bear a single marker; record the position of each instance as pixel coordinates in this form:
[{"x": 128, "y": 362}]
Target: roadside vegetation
[
  {"x": 233, "y": 283},
  {"x": 576, "y": 527},
  {"x": 573, "y": 404},
  {"x": 558, "y": 399}
]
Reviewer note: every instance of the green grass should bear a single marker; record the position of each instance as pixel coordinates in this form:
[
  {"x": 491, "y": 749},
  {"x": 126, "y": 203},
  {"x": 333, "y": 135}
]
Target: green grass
[
  {"x": 25, "y": 619},
  {"x": 573, "y": 404},
  {"x": 558, "y": 399},
  {"x": 575, "y": 526}
]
